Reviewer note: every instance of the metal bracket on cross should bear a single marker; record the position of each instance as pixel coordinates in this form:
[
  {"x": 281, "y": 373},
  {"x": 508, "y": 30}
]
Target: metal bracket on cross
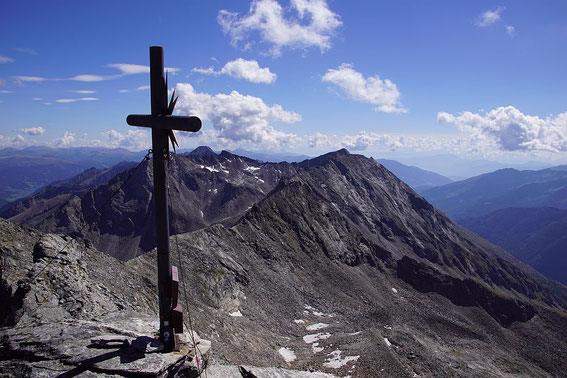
[{"x": 162, "y": 124}]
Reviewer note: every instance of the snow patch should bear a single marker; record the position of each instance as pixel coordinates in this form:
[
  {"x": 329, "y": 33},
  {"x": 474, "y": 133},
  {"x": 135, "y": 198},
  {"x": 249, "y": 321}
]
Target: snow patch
[
  {"x": 309, "y": 339},
  {"x": 354, "y": 333},
  {"x": 316, "y": 326},
  {"x": 236, "y": 313},
  {"x": 287, "y": 354},
  {"x": 316, "y": 348},
  {"x": 335, "y": 361},
  {"x": 210, "y": 169},
  {"x": 299, "y": 321},
  {"x": 259, "y": 179},
  {"x": 395, "y": 290},
  {"x": 388, "y": 343},
  {"x": 251, "y": 169}
]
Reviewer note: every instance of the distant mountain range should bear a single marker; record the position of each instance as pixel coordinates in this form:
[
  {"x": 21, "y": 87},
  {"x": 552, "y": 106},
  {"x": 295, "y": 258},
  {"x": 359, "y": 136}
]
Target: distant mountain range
[
  {"x": 521, "y": 211},
  {"x": 501, "y": 189},
  {"x": 23, "y": 171},
  {"x": 419, "y": 179},
  {"x": 458, "y": 168}
]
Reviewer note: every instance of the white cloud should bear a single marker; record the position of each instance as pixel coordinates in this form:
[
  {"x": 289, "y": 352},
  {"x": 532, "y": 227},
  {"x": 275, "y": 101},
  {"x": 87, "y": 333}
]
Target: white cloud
[
  {"x": 143, "y": 88},
  {"x": 132, "y": 69},
  {"x": 242, "y": 69},
  {"x": 237, "y": 117},
  {"x": 93, "y": 78},
  {"x": 123, "y": 91},
  {"x": 136, "y": 139},
  {"x": 66, "y": 140},
  {"x": 18, "y": 140},
  {"x": 490, "y": 17},
  {"x": 5, "y": 59},
  {"x": 5, "y": 92},
  {"x": 69, "y": 100},
  {"x": 37, "y": 99},
  {"x": 382, "y": 93},
  {"x": 80, "y": 91},
  {"x": 511, "y": 130},
  {"x": 311, "y": 24},
  {"x": 510, "y": 30},
  {"x": 32, "y": 79},
  {"x": 33, "y": 130}
]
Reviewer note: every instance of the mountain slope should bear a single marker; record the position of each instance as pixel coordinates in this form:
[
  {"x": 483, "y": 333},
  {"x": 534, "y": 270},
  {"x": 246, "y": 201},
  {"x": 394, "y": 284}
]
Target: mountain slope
[
  {"x": 504, "y": 188},
  {"x": 419, "y": 179},
  {"x": 344, "y": 255},
  {"x": 205, "y": 188},
  {"x": 535, "y": 236}
]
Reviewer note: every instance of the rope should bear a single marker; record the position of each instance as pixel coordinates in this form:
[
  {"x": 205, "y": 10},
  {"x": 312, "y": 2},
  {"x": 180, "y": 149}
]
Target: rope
[
  {"x": 147, "y": 157},
  {"x": 182, "y": 274}
]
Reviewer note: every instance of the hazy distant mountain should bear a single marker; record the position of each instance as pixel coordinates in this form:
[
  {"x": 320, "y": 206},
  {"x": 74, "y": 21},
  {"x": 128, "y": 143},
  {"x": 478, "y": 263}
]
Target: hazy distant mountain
[
  {"x": 339, "y": 264},
  {"x": 97, "y": 157},
  {"x": 457, "y": 168},
  {"x": 23, "y": 171},
  {"x": 21, "y": 175},
  {"x": 504, "y": 188},
  {"x": 536, "y": 236},
  {"x": 419, "y": 179}
]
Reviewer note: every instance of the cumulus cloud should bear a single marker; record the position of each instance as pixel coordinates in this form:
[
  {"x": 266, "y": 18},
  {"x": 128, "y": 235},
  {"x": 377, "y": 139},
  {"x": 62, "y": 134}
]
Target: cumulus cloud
[
  {"x": 511, "y": 130},
  {"x": 66, "y": 140},
  {"x": 69, "y": 100},
  {"x": 33, "y": 130},
  {"x": 135, "y": 139},
  {"x": 238, "y": 117},
  {"x": 242, "y": 69},
  {"x": 510, "y": 30},
  {"x": 490, "y": 17},
  {"x": 311, "y": 24},
  {"x": 5, "y": 59},
  {"x": 382, "y": 93}
]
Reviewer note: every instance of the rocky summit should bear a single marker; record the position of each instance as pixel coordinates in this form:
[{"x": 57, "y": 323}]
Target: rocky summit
[{"x": 338, "y": 268}]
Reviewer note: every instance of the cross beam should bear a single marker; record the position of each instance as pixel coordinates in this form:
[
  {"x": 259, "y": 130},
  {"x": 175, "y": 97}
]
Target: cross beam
[{"x": 162, "y": 125}]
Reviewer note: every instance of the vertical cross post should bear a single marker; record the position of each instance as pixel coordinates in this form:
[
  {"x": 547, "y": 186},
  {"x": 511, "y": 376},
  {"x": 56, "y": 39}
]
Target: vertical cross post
[
  {"x": 160, "y": 146},
  {"x": 163, "y": 124}
]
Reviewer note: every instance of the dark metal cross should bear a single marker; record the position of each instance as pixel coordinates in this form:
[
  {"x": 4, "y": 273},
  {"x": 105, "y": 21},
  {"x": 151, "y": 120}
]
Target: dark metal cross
[{"x": 162, "y": 124}]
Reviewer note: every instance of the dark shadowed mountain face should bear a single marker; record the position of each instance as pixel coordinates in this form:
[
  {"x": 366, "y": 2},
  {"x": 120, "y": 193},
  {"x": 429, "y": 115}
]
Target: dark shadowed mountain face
[
  {"x": 343, "y": 266},
  {"x": 535, "y": 236},
  {"x": 205, "y": 188},
  {"x": 419, "y": 179},
  {"x": 501, "y": 189}
]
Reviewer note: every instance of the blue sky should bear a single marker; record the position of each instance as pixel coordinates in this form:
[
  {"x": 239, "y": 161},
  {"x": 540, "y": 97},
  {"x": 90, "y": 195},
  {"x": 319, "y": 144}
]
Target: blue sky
[{"x": 480, "y": 78}]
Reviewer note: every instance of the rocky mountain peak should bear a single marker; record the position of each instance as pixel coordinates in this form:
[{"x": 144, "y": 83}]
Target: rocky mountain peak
[{"x": 202, "y": 150}]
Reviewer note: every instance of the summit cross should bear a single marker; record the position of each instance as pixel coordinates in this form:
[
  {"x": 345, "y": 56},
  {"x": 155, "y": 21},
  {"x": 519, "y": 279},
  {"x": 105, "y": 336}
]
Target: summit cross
[{"x": 162, "y": 125}]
